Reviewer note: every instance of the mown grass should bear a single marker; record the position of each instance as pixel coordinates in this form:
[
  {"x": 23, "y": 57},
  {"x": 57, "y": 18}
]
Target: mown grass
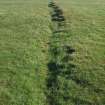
[
  {"x": 86, "y": 25},
  {"x": 24, "y": 34}
]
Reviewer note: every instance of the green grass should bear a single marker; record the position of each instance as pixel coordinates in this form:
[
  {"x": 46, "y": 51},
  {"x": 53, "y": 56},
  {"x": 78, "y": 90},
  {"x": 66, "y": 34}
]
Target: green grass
[
  {"x": 24, "y": 36},
  {"x": 87, "y": 31}
]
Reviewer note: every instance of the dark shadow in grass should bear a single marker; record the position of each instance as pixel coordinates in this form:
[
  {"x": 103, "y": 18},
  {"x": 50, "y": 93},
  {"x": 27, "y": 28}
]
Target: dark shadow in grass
[
  {"x": 79, "y": 101},
  {"x": 56, "y": 70},
  {"x": 51, "y": 4},
  {"x": 57, "y": 17},
  {"x": 69, "y": 49},
  {"x": 59, "y": 31},
  {"x": 52, "y": 83},
  {"x": 65, "y": 68}
]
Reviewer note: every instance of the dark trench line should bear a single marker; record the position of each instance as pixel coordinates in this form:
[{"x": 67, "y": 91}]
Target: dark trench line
[
  {"x": 59, "y": 61},
  {"x": 60, "y": 68}
]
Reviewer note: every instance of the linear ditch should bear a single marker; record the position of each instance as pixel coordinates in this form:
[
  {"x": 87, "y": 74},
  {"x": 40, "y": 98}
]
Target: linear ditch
[
  {"x": 59, "y": 66},
  {"x": 61, "y": 70}
]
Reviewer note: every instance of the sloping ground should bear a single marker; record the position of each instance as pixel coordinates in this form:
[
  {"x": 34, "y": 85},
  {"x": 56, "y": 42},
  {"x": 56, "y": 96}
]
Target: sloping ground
[{"x": 24, "y": 34}]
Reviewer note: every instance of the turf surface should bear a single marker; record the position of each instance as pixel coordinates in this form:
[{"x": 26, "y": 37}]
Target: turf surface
[{"x": 25, "y": 34}]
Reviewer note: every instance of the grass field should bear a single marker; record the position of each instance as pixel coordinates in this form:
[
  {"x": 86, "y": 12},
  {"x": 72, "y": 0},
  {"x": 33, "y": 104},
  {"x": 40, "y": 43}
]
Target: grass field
[
  {"x": 25, "y": 34},
  {"x": 86, "y": 22}
]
